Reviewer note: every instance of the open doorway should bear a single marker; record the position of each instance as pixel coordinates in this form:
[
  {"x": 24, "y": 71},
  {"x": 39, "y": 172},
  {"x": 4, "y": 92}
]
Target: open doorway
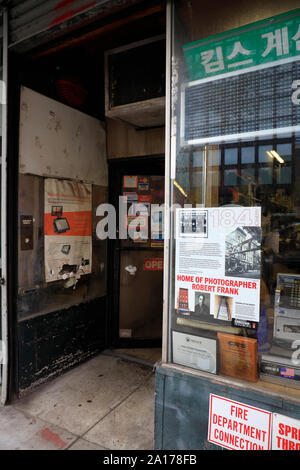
[
  {"x": 107, "y": 306},
  {"x": 135, "y": 298}
]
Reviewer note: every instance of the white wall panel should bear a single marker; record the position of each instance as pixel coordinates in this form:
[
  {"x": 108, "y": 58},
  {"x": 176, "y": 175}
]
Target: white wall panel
[{"x": 59, "y": 141}]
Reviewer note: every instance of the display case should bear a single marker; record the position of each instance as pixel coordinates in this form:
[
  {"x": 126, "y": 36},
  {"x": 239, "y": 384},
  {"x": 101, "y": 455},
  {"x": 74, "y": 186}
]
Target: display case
[
  {"x": 234, "y": 196},
  {"x": 232, "y": 335}
]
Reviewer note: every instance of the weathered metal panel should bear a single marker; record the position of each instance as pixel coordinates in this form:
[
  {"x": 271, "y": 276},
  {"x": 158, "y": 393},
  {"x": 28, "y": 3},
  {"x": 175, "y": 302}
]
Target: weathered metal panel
[
  {"x": 59, "y": 141},
  {"x": 51, "y": 344},
  {"x": 182, "y": 408},
  {"x": 33, "y": 22}
]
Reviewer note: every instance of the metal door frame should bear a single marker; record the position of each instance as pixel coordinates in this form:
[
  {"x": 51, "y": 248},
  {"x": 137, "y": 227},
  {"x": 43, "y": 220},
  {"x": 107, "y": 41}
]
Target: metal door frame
[{"x": 3, "y": 280}]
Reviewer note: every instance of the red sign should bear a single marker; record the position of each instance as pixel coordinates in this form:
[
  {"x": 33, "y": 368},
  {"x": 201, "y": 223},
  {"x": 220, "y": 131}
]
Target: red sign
[
  {"x": 154, "y": 264},
  {"x": 145, "y": 198}
]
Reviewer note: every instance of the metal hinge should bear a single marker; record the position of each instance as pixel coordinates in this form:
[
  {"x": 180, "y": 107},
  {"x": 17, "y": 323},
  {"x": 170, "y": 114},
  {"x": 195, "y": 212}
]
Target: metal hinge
[{"x": 2, "y": 281}]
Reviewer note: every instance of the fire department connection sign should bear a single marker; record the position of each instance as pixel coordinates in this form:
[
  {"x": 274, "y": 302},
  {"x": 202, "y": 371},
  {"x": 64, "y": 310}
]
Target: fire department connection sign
[{"x": 236, "y": 426}]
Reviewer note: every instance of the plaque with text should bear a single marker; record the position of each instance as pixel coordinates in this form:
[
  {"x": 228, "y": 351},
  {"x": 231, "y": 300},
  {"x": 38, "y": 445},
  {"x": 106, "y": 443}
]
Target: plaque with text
[{"x": 238, "y": 356}]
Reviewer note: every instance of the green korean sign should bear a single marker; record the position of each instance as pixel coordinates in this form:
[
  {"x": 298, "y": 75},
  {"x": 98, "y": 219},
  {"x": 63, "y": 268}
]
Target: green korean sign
[{"x": 265, "y": 42}]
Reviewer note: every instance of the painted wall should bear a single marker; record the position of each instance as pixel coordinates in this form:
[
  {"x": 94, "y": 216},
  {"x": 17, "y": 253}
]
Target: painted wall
[
  {"x": 59, "y": 141},
  {"x": 124, "y": 140}
]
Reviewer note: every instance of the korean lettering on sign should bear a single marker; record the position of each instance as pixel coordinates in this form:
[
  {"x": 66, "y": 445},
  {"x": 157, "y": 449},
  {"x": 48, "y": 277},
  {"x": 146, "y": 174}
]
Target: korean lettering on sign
[{"x": 264, "y": 43}]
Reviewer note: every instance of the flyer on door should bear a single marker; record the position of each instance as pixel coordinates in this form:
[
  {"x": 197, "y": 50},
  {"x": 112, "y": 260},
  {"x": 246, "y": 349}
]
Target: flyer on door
[
  {"x": 68, "y": 229},
  {"x": 218, "y": 264}
]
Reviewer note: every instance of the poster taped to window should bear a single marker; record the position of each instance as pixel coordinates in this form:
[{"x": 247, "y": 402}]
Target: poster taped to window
[{"x": 218, "y": 263}]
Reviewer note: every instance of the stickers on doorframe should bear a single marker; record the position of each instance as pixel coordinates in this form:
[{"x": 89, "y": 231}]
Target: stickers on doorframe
[
  {"x": 144, "y": 183},
  {"x": 130, "y": 181},
  {"x": 153, "y": 264},
  {"x": 131, "y": 197},
  {"x": 145, "y": 198}
]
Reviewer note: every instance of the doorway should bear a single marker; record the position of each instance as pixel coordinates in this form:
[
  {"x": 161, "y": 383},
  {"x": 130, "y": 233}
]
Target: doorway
[
  {"x": 79, "y": 313},
  {"x": 135, "y": 277}
]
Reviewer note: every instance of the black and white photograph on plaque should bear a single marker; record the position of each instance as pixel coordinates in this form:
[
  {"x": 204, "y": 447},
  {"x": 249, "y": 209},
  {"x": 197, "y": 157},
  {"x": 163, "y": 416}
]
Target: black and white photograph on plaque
[
  {"x": 193, "y": 223},
  {"x": 243, "y": 252},
  {"x": 202, "y": 306}
]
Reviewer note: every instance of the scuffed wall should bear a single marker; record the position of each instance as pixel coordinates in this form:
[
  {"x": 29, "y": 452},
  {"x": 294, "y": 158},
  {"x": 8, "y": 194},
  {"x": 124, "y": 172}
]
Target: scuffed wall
[
  {"x": 124, "y": 140},
  {"x": 56, "y": 140},
  {"x": 58, "y": 327},
  {"x": 35, "y": 296}
]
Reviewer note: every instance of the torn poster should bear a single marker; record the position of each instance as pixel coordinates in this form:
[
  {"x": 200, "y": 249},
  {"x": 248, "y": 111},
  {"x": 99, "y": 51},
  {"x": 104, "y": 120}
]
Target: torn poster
[{"x": 68, "y": 229}]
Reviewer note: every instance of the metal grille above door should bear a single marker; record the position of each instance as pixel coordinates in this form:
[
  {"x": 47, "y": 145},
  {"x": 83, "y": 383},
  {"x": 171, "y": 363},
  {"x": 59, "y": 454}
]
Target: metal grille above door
[{"x": 35, "y": 22}]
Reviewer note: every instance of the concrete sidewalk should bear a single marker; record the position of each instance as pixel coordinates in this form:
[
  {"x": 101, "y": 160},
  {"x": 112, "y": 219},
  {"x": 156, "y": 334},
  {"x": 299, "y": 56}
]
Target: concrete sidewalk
[{"x": 105, "y": 403}]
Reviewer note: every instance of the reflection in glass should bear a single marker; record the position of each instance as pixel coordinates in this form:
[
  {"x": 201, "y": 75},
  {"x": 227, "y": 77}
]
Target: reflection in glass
[
  {"x": 284, "y": 175},
  {"x": 198, "y": 158},
  {"x": 231, "y": 156},
  {"x": 248, "y": 154},
  {"x": 265, "y": 176},
  {"x": 263, "y": 157},
  {"x": 285, "y": 151},
  {"x": 230, "y": 178},
  {"x": 239, "y": 172}
]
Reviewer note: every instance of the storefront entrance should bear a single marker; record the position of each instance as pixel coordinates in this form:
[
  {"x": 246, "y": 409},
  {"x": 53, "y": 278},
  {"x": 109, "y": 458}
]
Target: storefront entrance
[
  {"x": 137, "y": 274},
  {"x": 91, "y": 133}
]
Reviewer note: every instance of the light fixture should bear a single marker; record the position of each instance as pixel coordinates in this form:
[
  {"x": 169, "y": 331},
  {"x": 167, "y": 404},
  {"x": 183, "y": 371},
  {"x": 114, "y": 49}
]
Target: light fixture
[
  {"x": 274, "y": 154},
  {"x": 180, "y": 188}
]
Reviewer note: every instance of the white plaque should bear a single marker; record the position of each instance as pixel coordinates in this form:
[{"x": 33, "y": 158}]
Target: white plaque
[{"x": 195, "y": 351}]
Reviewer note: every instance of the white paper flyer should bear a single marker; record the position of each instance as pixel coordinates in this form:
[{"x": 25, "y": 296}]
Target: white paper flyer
[
  {"x": 68, "y": 229},
  {"x": 218, "y": 260}
]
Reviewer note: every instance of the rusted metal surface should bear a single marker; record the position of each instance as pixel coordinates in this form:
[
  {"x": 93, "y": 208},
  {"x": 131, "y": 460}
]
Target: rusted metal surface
[
  {"x": 33, "y": 22},
  {"x": 102, "y": 30},
  {"x": 51, "y": 344}
]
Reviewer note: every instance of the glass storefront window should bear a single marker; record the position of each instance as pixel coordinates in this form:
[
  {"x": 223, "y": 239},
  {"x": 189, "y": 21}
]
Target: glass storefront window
[
  {"x": 235, "y": 280},
  {"x": 231, "y": 156}
]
